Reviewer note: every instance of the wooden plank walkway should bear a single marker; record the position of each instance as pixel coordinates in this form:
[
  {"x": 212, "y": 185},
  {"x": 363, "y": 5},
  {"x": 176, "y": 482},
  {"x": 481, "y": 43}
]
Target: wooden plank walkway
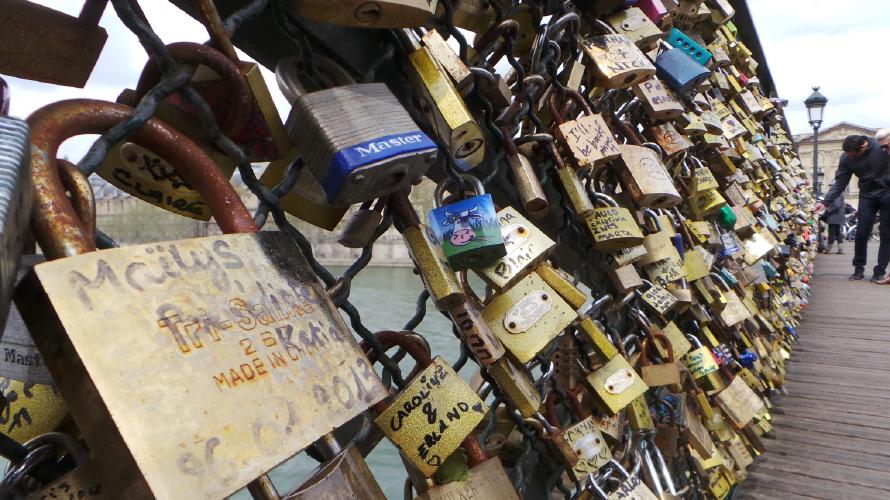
[{"x": 832, "y": 431}]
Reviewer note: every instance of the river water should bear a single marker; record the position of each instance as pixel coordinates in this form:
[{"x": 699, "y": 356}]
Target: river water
[{"x": 386, "y": 299}]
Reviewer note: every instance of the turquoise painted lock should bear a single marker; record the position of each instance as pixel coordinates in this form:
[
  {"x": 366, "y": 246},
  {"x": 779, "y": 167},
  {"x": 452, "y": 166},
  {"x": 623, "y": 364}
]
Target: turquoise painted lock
[
  {"x": 467, "y": 230},
  {"x": 683, "y": 42},
  {"x": 680, "y": 71}
]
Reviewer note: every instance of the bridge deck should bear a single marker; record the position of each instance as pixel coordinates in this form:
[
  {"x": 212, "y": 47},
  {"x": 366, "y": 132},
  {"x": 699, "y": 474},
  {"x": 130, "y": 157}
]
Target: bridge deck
[{"x": 832, "y": 430}]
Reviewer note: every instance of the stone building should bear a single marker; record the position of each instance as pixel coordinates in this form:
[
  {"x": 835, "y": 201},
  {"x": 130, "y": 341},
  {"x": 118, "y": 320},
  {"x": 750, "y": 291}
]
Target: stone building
[
  {"x": 130, "y": 221},
  {"x": 830, "y": 140}
]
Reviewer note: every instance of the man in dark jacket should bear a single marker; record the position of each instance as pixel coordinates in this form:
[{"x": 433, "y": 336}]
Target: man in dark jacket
[
  {"x": 835, "y": 216},
  {"x": 864, "y": 158}
]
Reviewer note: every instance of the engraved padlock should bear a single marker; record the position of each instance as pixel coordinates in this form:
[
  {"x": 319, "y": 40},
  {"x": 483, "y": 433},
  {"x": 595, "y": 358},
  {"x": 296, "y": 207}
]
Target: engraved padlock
[
  {"x": 646, "y": 179},
  {"x": 617, "y": 61},
  {"x": 612, "y": 227},
  {"x": 359, "y": 142},
  {"x": 588, "y": 140},
  {"x": 527, "y": 246},
  {"x": 467, "y": 229}
]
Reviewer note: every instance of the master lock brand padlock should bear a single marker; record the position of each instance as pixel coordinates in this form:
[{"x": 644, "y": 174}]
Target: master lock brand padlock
[
  {"x": 612, "y": 227},
  {"x": 359, "y": 142},
  {"x": 679, "y": 70},
  {"x": 15, "y": 199},
  {"x": 443, "y": 105},
  {"x": 617, "y": 61},
  {"x": 181, "y": 299},
  {"x": 644, "y": 176},
  {"x": 366, "y": 13},
  {"x": 467, "y": 229}
]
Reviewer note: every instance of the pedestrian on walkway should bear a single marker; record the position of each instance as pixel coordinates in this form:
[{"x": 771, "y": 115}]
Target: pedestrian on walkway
[
  {"x": 835, "y": 216},
  {"x": 869, "y": 160}
]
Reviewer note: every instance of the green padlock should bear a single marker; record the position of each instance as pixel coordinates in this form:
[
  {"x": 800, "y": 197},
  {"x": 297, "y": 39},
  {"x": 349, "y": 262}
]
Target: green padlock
[{"x": 726, "y": 217}]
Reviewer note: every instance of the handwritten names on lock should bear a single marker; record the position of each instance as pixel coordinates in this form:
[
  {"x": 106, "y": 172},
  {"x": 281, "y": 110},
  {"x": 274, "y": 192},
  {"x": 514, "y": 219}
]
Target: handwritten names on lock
[
  {"x": 430, "y": 418},
  {"x": 589, "y": 140},
  {"x": 525, "y": 244},
  {"x": 587, "y": 441},
  {"x": 659, "y": 299},
  {"x": 659, "y": 101},
  {"x": 705, "y": 179},
  {"x": 665, "y": 270},
  {"x": 233, "y": 332},
  {"x": 701, "y": 362},
  {"x": 632, "y": 488},
  {"x": 613, "y": 224}
]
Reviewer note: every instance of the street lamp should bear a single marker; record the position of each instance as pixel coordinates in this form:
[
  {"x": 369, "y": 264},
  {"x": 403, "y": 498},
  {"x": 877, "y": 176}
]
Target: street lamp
[{"x": 815, "y": 106}]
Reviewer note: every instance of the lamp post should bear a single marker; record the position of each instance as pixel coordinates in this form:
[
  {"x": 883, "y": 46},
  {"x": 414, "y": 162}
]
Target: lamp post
[{"x": 815, "y": 106}]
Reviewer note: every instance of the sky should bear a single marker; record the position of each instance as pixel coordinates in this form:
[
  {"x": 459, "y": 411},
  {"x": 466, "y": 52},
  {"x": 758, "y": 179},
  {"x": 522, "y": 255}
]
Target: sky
[{"x": 830, "y": 43}]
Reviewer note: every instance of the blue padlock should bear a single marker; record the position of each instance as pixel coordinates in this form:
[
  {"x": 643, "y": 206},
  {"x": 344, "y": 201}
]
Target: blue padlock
[
  {"x": 682, "y": 41},
  {"x": 747, "y": 358},
  {"x": 682, "y": 73}
]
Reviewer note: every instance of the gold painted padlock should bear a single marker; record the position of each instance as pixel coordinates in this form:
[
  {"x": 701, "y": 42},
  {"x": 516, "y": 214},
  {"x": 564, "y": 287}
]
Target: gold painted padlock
[
  {"x": 645, "y": 177},
  {"x": 526, "y": 245},
  {"x": 617, "y": 61},
  {"x": 612, "y": 227}
]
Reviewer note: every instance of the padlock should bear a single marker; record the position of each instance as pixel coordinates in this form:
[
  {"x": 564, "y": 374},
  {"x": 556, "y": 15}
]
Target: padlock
[
  {"x": 739, "y": 402},
  {"x": 683, "y": 42},
  {"x": 656, "y": 297},
  {"x": 15, "y": 200},
  {"x": 427, "y": 255},
  {"x": 359, "y": 142},
  {"x": 588, "y": 139},
  {"x": 184, "y": 307},
  {"x": 39, "y": 43},
  {"x": 617, "y": 62},
  {"x": 634, "y": 24},
  {"x": 656, "y": 471},
  {"x": 443, "y": 105},
  {"x": 526, "y": 317},
  {"x": 528, "y": 185},
  {"x": 365, "y": 14},
  {"x": 361, "y": 227},
  {"x": 661, "y": 374},
  {"x": 615, "y": 384},
  {"x": 485, "y": 480},
  {"x": 659, "y": 102},
  {"x": 589, "y": 444},
  {"x": 645, "y": 177},
  {"x": 517, "y": 385},
  {"x": 654, "y": 10},
  {"x": 562, "y": 284},
  {"x": 345, "y": 475},
  {"x": 473, "y": 330},
  {"x": 556, "y": 444},
  {"x": 467, "y": 229},
  {"x": 702, "y": 366},
  {"x": 571, "y": 186},
  {"x": 450, "y": 412},
  {"x": 670, "y": 140},
  {"x": 612, "y": 227},
  {"x": 527, "y": 246},
  {"x": 448, "y": 60},
  {"x": 149, "y": 175},
  {"x": 630, "y": 486},
  {"x": 680, "y": 71}
]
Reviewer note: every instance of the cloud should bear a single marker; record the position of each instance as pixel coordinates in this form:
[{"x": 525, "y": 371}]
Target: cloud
[{"x": 835, "y": 45}]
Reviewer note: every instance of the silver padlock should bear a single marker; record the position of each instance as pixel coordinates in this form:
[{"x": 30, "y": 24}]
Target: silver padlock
[{"x": 15, "y": 202}]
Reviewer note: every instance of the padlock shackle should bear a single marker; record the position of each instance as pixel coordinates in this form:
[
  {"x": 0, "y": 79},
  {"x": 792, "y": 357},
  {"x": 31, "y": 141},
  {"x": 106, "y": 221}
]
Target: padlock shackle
[
  {"x": 571, "y": 96},
  {"x": 604, "y": 198},
  {"x": 287, "y": 75},
  {"x": 404, "y": 339},
  {"x": 665, "y": 343},
  {"x": 443, "y": 185},
  {"x": 58, "y": 229},
  {"x": 239, "y": 100},
  {"x": 82, "y": 199},
  {"x": 403, "y": 210}
]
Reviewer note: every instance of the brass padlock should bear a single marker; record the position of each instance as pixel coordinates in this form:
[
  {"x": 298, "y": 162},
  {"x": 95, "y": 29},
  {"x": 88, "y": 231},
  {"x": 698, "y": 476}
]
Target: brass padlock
[
  {"x": 526, "y": 317},
  {"x": 214, "y": 339},
  {"x": 306, "y": 200},
  {"x": 427, "y": 435},
  {"x": 516, "y": 383},
  {"x": 527, "y": 246},
  {"x": 612, "y": 227},
  {"x": 671, "y": 141},
  {"x": 635, "y": 25},
  {"x": 739, "y": 402},
  {"x": 39, "y": 43},
  {"x": 588, "y": 139},
  {"x": 661, "y": 374},
  {"x": 443, "y": 105},
  {"x": 618, "y": 63},
  {"x": 588, "y": 442},
  {"x": 427, "y": 255},
  {"x": 345, "y": 475},
  {"x": 645, "y": 177},
  {"x": 486, "y": 480},
  {"x": 615, "y": 384},
  {"x": 528, "y": 186},
  {"x": 659, "y": 102},
  {"x": 475, "y": 332}
]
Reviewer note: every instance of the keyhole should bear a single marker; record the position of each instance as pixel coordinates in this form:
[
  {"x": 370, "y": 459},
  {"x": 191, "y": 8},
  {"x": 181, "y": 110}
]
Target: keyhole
[{"x": 368, "y": 12}]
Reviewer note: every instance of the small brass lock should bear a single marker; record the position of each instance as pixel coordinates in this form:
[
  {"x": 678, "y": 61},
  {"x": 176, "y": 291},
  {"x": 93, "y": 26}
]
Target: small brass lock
[{"x": 612, "y": 227}]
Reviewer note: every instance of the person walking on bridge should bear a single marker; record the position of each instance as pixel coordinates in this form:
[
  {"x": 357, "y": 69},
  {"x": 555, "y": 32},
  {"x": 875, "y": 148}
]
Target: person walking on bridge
[{"x": 869, "y": 160}]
